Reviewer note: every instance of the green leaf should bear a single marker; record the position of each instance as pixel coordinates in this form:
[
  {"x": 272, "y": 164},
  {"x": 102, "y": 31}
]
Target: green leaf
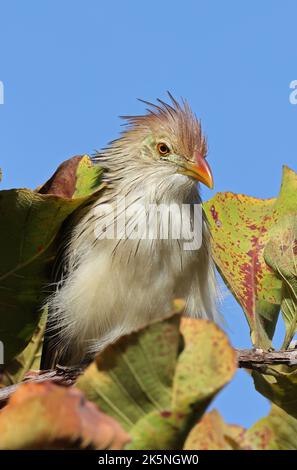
[
  {"x": 277, "y": 431},
  {"x": 28, "y": 359},
  {"x": 279, "y": 385},
  {"x": 281, "y": 255},
  {"x": 158, "y": 382},
  {"x": 241, "y": 227},
  {"x": 88, "y": 178},
  {"x": 30, "y": 223}
]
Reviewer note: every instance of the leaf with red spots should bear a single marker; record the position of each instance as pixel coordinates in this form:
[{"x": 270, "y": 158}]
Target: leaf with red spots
[
  {"x": 212, "y": 433},
  {"x": 30, "y": 224},
  {"x": 277, "y": 431},
  {"x": 159, "y": 380},
  {"x": 47, "y": 416},
  {"x": 204, "y": 366},
  {"x": 241, "y": 227}
]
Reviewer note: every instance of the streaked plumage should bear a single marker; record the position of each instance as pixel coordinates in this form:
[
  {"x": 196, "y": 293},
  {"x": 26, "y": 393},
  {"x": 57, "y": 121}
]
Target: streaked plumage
[{"x": 111, "y": 287}]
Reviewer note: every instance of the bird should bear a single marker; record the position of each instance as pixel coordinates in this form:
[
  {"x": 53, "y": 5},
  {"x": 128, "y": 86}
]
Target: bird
[{"x": 110, "y": 286}]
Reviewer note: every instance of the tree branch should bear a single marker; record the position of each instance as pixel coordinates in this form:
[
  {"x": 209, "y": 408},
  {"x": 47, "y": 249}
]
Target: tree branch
[
  {"x": 66, "y": 376},
  {"x": 255, "y": 359},
  {"x": 258, "y": 359}
]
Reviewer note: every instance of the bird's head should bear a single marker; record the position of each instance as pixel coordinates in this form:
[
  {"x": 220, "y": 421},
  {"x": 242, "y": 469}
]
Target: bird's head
[{"x": 171, "y": 135}]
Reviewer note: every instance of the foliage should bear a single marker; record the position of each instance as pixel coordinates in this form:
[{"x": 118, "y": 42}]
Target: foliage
[
  {"x": 45, "y": 416},
  {"x": 277, "y": 431},
  {"x": 212, "y": 433},
  {"x": 246, "y": 234},
  {"x": 31, "y": 221},
  {"x": 152, "y": 386},
  {"x": 158, "y": 381}
]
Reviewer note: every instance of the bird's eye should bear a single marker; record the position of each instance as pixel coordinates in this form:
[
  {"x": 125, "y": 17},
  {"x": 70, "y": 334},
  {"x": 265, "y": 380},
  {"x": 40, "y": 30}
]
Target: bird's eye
[{"x": 163, "y": 149}]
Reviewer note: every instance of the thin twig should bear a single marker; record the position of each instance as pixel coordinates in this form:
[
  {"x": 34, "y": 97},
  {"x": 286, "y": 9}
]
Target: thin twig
[
  {"x": 255, "y": 359},
  {"x": 66, "y": 376}
]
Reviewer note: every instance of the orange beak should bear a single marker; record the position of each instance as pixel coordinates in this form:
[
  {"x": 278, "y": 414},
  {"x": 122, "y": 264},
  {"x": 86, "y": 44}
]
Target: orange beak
[{"x": 200, "y": 171}]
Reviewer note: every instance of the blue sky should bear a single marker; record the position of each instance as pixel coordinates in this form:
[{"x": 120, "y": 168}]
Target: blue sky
[{"x": 70, "y": 68}]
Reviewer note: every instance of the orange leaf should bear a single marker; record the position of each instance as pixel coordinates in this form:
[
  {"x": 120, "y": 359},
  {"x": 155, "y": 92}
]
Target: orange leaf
[{"x": 47, "y": 416}]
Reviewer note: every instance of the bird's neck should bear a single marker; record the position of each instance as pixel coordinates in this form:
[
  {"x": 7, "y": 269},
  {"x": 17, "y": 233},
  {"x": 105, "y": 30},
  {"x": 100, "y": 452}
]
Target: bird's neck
[{"x": 125, "y": 177}]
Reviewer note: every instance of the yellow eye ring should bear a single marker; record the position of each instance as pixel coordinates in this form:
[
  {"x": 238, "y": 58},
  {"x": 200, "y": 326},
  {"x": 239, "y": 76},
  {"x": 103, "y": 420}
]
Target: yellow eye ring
[{"x": 163, "y": 149}]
